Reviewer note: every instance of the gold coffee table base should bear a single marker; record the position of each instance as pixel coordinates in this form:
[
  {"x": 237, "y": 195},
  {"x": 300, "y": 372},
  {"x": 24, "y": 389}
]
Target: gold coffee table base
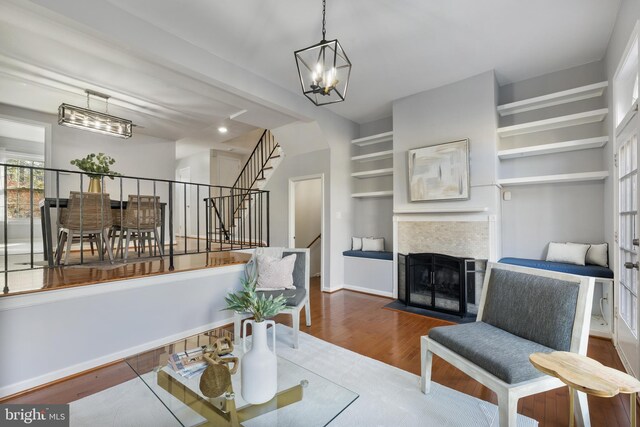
[
  {"x": 222, "y": 411},
  {"x": 583, "y": 374}
]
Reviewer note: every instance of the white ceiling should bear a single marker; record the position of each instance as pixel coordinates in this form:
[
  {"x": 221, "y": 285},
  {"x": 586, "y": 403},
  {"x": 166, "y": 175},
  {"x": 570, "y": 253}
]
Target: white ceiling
[{"x": 398, "y": 48}]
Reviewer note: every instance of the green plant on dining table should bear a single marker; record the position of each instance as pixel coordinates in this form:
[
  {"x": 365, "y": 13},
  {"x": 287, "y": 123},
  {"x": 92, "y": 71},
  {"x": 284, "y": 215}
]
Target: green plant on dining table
[
  {"x": 96, "y": 165},
  {"x": 248, "y": 301}
]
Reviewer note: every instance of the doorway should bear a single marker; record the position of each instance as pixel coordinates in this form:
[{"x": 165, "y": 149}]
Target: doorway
[{"x": 306, "y": 220}]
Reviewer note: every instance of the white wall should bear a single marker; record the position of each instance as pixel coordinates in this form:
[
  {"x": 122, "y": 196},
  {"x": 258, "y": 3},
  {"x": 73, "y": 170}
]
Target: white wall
[
  {"x": 57, "y": 334},
  {"x": 465, "y": 109},
  {"x": 538, "y": 214},
  {"x": 278, "y": 186}
]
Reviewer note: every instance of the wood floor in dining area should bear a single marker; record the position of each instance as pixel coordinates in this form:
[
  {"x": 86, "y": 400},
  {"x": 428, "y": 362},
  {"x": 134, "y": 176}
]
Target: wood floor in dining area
[{"x": 360, "y": 323}]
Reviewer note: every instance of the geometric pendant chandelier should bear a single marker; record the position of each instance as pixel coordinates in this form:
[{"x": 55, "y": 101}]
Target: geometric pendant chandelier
[
  {"x": 94, "y": 121},
  {"x": 324, "y": 69}
]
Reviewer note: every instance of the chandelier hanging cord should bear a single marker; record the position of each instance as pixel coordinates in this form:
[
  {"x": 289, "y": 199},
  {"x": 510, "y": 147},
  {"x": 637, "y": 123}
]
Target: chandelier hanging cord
[{"x": 324, "y": 20}]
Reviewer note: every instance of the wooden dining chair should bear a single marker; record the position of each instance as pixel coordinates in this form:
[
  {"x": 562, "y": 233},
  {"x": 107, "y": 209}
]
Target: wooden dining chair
[
  {"x": 88, "y": 217},
  {"x": 142, "y": 220}
]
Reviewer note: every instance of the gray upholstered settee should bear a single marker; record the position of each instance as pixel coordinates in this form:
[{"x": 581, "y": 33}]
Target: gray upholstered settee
[{"x": 522, "y": 311}]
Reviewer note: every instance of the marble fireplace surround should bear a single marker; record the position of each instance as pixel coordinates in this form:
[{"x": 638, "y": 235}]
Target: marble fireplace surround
[{"x": 472, "y": 236}]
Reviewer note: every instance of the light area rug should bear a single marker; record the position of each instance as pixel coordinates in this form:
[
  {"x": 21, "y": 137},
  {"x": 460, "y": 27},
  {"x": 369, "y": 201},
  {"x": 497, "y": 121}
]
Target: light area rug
[{"x": 388, "y": 396}]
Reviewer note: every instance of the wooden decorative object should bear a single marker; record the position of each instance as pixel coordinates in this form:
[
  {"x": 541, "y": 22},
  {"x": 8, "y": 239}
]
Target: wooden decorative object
[
  {"x": 216, "y": 378},
  {"x": 587, "y": 375}
]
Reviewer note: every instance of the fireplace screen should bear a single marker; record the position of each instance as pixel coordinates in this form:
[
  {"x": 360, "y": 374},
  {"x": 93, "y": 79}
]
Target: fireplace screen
[{"x": 433, "y": 281}]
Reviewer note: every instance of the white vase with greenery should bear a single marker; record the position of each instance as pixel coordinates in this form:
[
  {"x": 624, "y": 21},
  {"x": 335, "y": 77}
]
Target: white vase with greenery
[{"x": 259, "y": 365}]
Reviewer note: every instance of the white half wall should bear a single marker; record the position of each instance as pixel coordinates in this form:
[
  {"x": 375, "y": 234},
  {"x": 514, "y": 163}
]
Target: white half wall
[{"x": 59, "y": 333}]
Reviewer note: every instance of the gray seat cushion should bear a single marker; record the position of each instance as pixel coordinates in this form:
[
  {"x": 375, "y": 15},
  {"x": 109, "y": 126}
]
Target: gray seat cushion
[
  {"x": 293, "y": 296},
  {"x": 537, "y": 308},
  {"x": 502, "y": 354}
]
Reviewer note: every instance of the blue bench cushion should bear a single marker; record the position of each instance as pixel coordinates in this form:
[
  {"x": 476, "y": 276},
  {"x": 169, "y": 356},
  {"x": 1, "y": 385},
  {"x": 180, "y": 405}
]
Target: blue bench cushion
[
  {"x": 502, "y": 354},
  {"x": 580, "y": 270},
  {"x": 293, "y": 296},
  {"x": 370, "y": 254},
  {"x": 536, "y": 308}
]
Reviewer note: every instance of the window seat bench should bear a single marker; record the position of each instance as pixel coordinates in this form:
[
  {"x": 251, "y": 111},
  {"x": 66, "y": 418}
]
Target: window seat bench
[{"x": 369, "y": 271}]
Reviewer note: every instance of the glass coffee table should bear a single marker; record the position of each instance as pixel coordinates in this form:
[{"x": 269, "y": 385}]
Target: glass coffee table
[{"x": 303, "y": 398}]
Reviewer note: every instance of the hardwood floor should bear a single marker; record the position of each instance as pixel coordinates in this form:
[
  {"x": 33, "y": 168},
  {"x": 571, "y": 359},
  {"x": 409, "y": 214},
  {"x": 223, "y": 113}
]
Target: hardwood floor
[{"x": 360, "y": 323}]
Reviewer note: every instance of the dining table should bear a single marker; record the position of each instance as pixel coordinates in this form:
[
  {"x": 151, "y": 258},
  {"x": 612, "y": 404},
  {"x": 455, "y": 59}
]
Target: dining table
[{"x": 47, "y": 204}]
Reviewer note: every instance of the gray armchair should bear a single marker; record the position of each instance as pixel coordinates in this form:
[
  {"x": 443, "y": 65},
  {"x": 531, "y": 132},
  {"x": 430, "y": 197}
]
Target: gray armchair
[
  {"x": 522, "y": 311},
  {"x": 296, "y": 298}
]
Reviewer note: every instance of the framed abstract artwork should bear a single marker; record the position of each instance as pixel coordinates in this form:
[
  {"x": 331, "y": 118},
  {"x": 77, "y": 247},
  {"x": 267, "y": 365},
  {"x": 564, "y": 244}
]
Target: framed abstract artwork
[{"x": 439, "y": 172}]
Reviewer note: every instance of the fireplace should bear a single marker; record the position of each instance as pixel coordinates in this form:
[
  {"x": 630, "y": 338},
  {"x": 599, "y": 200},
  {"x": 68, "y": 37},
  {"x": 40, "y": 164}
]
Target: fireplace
[{"x": 437, "y": 282}]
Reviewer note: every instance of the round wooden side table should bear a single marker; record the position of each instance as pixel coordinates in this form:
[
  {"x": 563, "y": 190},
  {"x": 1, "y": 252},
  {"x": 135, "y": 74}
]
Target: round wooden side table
[{"x": 587, "y": 375}]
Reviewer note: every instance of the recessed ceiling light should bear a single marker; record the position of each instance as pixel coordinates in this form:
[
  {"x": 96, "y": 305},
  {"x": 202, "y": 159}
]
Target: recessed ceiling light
[{"x": 222, "y": 129}]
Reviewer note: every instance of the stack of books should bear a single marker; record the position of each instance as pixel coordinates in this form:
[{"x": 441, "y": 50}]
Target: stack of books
[{"x": 188, "y": 363}]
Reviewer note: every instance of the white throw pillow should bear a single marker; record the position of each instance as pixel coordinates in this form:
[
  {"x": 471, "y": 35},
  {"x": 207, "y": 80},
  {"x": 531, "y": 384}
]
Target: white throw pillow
[
  {"x": 570, "y": 253},
  {"x": 275, "y": 274},
  {"x": 597, "y": 255},
  {"x": 373, "y": 244},
  {"x": 356, "y": 243}
]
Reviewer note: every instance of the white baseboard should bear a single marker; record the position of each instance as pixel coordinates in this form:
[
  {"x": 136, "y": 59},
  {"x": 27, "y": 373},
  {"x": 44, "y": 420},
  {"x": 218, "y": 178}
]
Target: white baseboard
[
  {"x": 332, "y": 289},
  {"x": 368, "y": 291},
  {"x": 90, "y": 364}
]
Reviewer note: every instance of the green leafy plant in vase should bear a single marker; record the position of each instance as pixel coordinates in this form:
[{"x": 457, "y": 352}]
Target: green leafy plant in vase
[
  {"x": 95, "y": 166},
  {"x": 259, "y": 367},
  {"x": 248, "y": 301}
]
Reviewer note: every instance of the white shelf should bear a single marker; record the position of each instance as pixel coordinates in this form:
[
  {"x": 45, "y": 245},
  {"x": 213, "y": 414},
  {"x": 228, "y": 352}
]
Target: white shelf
[
  {"x": 557, "y": 98},
  {"x": 554, "y": 179},
  {"x": 374, "y": 139},
  {"x": 373, "y": 173},
  {"x": 440, "y": 210},
  {"x": 558, "y": 147},
  {"x": 387, "y": 193},
  {"x": 554, "y": 123},
  {"x": 379, "y": 155}
]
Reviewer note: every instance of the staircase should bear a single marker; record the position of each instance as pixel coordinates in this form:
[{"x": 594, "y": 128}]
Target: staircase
[{"x": 239, "y": 217}]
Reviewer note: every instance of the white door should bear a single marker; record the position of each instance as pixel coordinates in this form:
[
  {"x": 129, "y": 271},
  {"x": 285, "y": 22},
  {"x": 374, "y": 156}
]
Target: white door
[
  {"x": 183, "y": 201},
  {"x": 627, "y": 125},
  {"x": 627, "y": 274}
]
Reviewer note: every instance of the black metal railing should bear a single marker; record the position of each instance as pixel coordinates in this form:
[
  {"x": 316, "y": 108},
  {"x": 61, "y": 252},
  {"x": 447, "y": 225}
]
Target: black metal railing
[
  {"x": 40, "y": 206},
  {"x": 230, "y": 214}
]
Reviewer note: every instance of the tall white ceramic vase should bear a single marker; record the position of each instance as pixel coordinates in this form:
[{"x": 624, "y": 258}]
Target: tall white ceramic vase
[{"x": 259, "y": 366}]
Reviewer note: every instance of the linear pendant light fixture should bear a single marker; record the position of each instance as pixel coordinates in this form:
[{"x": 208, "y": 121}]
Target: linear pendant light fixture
[
  {"x": 94, "y": 121},
  {"x": 324, "y": 69}
]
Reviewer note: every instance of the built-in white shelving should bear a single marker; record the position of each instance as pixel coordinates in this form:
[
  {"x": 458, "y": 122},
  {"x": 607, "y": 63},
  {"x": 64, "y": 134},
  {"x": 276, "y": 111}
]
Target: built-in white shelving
[
  {"x": 558, "y": 147},
  {"x": 554, "y": 123},
  {"x": 554, "y": 179},
  {"x": 373, "y": 173},
  {"x": 386, "y": 193},
  {"x": 376, "y": 187},
  {"x": 440, "y": 210},
  {"x": 374, "y": 139},
  {"x": 378, "y": 155},
  {"x": 564, "y": 97}
]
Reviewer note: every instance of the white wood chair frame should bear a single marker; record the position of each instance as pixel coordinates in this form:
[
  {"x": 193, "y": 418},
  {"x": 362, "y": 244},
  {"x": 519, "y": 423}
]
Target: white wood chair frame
[
  {"x": 509, "y": 394},
  {"x": 294, "y": 312}
]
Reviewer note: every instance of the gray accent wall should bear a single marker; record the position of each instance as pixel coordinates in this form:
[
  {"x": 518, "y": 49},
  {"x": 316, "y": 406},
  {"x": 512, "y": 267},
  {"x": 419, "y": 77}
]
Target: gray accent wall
[{"x": 465, "y": 109}]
